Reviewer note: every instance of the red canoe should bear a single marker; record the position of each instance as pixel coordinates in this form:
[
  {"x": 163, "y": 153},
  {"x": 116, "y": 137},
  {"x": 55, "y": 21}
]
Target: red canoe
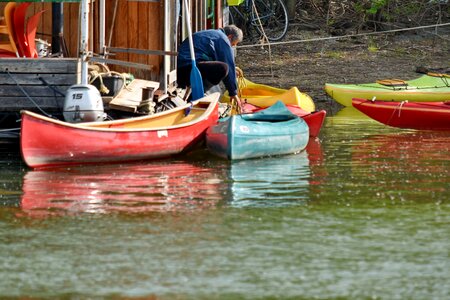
[
  {"x": 413, "y": 115},
  {"x": 48, "y": 142},
  {"x": 313, "y": 119}
]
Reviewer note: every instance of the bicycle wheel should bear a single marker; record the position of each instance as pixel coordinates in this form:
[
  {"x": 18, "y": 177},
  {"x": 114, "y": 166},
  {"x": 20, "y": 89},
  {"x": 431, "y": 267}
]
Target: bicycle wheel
[
  {"x": 270, "y": 18},
  {"x": 236, "y": 17}
]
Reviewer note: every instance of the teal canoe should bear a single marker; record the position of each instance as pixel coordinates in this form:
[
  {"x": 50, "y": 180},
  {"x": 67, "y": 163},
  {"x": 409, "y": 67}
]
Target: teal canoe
[{"x": 272, "y": 131}]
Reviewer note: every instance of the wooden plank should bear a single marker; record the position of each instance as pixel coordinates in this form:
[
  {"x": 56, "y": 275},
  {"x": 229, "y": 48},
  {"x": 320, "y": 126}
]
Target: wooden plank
[
  {"x": 133, "y": 38},
  {"x": 32, "y": 90},
  {"x": 72, "y": 34},
  {"x": 45, "y": 24},
  {"x": 142, "y": 51},
  {"x": 121, "y": 33},
  {"x": 33, "y": 79},
  {"x": 41, "y": 65},
  {"x": 130, "y": 98},
  {"x": 15, "y": 104},
  {"x": 142, "y": 37},
  {"x": 155, "y": 34},
  {"x": 124, "y": 106},
  {"x": 121, "y": 63}
]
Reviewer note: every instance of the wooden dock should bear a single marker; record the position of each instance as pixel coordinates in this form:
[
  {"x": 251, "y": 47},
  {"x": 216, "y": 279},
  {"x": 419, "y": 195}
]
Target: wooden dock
[{"x": 29, "y": 83}]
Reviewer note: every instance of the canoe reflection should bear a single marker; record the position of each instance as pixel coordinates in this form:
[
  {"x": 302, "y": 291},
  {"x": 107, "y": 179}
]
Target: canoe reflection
[
  {"x": 316, "y": 162},
  {"x": 410, "y": 153},
  {"x": 270, "y": 182},
  {"x": 165, "y": 186}
]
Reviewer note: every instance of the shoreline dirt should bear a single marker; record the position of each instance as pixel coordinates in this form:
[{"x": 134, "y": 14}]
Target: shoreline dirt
[{"x": 309, "y": 65}]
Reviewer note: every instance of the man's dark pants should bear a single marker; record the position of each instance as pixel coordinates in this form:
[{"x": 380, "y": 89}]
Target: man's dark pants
[{"x": 212, "y": 74}]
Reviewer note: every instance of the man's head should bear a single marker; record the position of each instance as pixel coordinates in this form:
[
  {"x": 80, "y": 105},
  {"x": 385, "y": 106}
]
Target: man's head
[{"x": 234, "y": 34}]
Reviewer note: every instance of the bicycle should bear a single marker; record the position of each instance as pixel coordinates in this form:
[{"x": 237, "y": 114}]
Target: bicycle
[{"x": 266, "y": 17}]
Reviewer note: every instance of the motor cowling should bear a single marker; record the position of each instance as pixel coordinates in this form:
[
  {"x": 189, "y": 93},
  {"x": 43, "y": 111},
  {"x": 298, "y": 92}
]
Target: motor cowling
[{"x": 83, "y": 103}]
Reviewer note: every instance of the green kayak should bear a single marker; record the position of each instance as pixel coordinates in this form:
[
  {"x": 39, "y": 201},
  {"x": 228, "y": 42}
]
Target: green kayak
[{"x": 428, "y": 88}]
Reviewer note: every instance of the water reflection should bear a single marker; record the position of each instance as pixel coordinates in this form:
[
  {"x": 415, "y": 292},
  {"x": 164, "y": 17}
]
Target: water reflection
[
  {"x": 348, "y": 116},
  {"x": 163, "y": 186},
  {"x": 11, "y": 173},
  {"x": 271, "y": 181},
  {"x": 372, "y": 164},
  {"x": 173, "y": 185},
  {"x": 405, "y": 163},
  {"x": 316, "y": 159}
]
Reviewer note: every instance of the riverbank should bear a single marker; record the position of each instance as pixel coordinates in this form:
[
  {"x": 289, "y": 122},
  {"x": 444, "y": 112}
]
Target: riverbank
[{"x": 310, "y": 64}]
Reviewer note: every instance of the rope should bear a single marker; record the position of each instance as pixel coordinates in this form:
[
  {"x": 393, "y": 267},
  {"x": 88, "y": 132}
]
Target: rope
[
  {"x": 9, "y": 129},
  {"x": 264, "y": 39},
  {"x": 400, "y": 107},
  {"x": 94, "y": 74},
  {"x": 344, "y": 36},
  {"x": 240, "y": 81},
  {"x": 444, "y": 78},
  {"x": 235, "y": 107},
  {"x": 27, "y": 95},
  {"x": 51, "y": 87}
]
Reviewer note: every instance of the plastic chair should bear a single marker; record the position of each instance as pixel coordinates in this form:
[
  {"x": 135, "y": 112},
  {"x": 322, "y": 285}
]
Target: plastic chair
[
  {"x": 8, "y": 29},
  {"x": 30, "y": 34},
  {"x": 19, "y": 26}
]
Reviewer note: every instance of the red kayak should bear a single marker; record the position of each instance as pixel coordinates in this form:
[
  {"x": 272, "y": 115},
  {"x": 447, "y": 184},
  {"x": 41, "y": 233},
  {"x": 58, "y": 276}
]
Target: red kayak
[
  {"x": 413, "y": 115},
  {"x": 313, "y": 119},
  {"x": 48, "y": 142}
]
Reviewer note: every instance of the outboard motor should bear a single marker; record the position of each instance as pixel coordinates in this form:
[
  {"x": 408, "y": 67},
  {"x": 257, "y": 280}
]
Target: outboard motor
[{"x": 83, "y": 103}]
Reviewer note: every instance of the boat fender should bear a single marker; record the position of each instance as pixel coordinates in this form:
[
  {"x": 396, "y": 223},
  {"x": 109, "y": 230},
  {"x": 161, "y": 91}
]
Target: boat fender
[{"x": 83, "y": 103}]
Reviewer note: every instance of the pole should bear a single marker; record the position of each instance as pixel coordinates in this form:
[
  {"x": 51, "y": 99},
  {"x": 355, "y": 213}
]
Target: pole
[
  {"x": 57, "y": 26},
  {"x": 101, "y": 33},
  {"x": 84, "y": 40}
]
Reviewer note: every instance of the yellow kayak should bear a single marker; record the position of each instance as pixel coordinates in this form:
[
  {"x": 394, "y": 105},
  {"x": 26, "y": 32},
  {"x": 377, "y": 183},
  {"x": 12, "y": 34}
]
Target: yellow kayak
[
  {"x": 264, "y": 95},
  {"x": 432, "y": 87}
]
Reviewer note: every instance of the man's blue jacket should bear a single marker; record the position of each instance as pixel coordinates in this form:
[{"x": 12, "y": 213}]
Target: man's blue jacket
[{"x": 211, "y": 45}]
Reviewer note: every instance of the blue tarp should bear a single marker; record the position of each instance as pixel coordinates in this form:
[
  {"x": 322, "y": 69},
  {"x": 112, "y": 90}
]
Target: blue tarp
[{"x": 275, "y": 113}]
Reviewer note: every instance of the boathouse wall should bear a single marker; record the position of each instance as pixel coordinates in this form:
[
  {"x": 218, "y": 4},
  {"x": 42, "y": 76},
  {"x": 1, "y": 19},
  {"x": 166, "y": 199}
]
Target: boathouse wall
[{"x": 136, "y": 24}]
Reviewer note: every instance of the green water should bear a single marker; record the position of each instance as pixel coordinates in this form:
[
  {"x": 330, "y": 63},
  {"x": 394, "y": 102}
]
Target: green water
[{"x": 363, "y": 214}]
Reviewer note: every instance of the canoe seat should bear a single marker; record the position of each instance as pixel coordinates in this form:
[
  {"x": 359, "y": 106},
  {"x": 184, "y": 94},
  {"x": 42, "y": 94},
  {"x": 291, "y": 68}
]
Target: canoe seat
[
  {"x": 392, "y": 82},
  {"x": 438, "y": 74}
]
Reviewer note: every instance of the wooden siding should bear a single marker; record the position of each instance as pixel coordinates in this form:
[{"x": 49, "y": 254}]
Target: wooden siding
[
  {"x": 45, "y": 81},
  {"x": 138, "y": 24}
]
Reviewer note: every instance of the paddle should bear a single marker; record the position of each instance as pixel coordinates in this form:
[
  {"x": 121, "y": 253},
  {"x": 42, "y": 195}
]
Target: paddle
[{"x": 196, "y": 77}]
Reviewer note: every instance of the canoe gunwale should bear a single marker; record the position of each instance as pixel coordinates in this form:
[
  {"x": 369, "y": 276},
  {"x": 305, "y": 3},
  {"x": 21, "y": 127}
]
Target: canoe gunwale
[{"x": 94, "y": 126}]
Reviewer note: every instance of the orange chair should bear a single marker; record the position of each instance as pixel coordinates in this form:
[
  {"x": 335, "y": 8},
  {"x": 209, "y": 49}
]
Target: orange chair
[
  {"x": 19, "y": 27},
  {"x": 30, "y": 34},
  {"x": 8, "y": 29}
]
